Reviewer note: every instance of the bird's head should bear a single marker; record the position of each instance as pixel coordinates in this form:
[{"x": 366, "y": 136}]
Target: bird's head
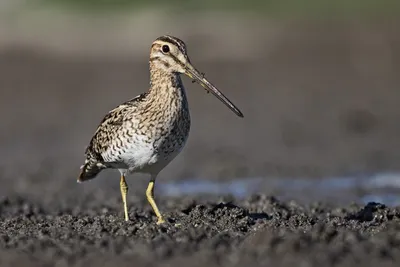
[{"x": 170, "y": 54}]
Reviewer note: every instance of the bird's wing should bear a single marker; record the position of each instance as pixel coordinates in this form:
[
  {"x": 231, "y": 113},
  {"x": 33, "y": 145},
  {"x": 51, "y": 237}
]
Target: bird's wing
[{"x": 110, "y": 126}]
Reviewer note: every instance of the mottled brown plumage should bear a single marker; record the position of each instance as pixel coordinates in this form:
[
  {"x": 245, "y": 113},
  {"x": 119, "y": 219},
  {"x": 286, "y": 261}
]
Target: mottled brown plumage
[{"x": 147, "y": 132}]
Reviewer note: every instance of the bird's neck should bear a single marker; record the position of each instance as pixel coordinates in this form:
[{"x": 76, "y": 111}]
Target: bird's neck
[{"x": 166, "y": 86}]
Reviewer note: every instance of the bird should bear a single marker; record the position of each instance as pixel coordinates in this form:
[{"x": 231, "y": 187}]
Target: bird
[{"x": 145, "y": 133}]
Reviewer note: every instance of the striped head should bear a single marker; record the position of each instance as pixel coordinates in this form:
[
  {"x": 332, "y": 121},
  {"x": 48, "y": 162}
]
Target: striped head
[{"x": 169, "y": 54}]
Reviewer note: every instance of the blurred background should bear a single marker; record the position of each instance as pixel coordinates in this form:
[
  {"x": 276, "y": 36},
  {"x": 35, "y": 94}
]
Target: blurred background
[{"x": 317, "y": 81}]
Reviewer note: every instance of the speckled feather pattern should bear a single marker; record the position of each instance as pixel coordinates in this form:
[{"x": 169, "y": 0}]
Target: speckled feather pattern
[
  {"x": 143, "y": 134},
  {"x": 147, "y": 132}
]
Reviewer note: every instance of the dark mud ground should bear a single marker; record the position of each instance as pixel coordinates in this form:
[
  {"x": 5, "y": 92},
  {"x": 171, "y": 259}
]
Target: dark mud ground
[
  {"x": 319, "y": 102},
  {"x": 255, "y": 231}
]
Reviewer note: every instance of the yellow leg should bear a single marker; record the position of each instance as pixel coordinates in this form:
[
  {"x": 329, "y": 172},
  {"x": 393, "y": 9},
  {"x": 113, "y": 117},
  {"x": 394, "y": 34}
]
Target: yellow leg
[
  {"x": 150, "y": 198},
  {"x": 124, "y": 191}
]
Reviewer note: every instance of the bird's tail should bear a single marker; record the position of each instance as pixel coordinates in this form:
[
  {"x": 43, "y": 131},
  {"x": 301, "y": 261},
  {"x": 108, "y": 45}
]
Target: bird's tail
[{"x": 90, "y": 170}]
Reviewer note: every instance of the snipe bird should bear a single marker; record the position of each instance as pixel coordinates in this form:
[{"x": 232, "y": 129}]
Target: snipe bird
[{"x": 146, "y": 133}]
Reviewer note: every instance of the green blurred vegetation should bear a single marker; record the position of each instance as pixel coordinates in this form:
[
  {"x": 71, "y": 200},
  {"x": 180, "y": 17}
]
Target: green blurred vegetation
[{"x": 290, "y": 7}]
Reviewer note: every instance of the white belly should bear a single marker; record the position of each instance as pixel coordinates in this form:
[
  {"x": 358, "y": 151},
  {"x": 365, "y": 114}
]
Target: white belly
[{"x": 144, "y": 155}]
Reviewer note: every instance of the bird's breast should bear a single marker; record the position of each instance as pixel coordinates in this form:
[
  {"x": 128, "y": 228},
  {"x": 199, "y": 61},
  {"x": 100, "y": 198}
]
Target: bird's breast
[
  {"x": 171, "y": 137},
  {"x": 158, "y": 130},
  {"x": 158, "y": 143}
]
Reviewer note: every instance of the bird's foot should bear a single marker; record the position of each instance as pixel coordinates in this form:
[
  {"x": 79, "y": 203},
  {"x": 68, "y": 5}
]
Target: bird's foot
[{"x": 160, "y": 221}]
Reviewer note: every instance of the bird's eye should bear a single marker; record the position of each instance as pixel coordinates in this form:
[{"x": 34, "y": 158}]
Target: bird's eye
[{"x": 165, "y": 48}]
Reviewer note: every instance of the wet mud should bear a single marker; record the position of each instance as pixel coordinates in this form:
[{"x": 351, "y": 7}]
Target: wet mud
[{"x": 259, "y": 230}]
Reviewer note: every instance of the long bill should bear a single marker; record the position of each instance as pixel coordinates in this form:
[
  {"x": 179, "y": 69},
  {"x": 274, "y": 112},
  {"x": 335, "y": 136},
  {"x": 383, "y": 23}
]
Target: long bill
[{"x": 195, "y": 74}]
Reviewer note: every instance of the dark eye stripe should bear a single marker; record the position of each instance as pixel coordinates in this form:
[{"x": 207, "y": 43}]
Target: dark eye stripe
[{"x": 173, "y": 40}]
